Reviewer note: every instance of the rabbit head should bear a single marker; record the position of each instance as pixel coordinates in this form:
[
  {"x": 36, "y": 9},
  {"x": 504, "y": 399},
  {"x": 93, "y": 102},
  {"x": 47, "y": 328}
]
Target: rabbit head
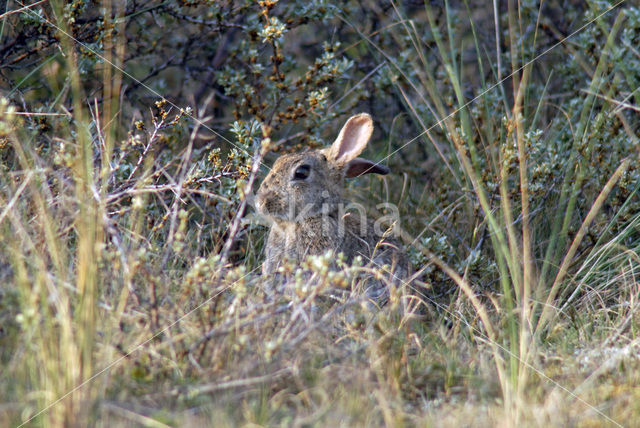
[{"x": 309, "y": 184}]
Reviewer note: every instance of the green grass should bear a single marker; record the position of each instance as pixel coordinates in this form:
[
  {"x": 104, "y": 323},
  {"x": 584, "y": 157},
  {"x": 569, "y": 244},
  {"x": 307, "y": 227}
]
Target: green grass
[{"x": 131, "y": 290}]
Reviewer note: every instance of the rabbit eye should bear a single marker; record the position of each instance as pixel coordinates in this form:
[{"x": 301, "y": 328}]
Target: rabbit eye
[{"x": 302, "y": 172}]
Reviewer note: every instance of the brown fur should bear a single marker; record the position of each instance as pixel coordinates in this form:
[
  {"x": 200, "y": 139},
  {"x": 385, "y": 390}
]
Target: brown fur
[{"x": 308, "y": 215}]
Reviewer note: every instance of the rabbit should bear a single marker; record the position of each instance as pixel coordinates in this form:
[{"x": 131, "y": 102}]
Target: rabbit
[{"x": 303, "y": 197}]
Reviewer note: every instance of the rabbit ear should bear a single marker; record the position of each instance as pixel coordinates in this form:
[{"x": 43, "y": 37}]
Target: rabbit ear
[
  {"x": 352, "y": 140},
  {"x": 360, "y": 166}
]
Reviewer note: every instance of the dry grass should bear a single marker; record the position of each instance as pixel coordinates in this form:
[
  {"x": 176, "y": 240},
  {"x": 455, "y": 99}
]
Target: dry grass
[{"x": 132, "y": 296}]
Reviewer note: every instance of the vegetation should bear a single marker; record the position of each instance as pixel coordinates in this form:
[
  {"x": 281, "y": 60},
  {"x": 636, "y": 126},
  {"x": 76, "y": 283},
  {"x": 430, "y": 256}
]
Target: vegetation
[{"x": 133, "y": 134}]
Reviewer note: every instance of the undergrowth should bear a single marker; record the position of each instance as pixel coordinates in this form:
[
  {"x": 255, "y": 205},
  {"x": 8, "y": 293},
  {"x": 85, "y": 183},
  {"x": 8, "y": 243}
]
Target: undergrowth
[{"x": 130, "y": 255}]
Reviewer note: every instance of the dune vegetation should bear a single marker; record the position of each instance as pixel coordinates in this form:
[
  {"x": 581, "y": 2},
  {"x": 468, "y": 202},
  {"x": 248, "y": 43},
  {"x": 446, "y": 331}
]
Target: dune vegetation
[{"x": 134, "y": 135}]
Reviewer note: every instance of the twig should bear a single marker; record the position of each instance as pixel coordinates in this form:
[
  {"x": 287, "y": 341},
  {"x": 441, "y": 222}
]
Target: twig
[
  {"x": 211, "y": 387},
  {"x": 26, "y": 113},
  {"x": 232, "y": 325},
  {"x": 619, "y": 104},
  {"x": 233, "y": 230},
  {"x": 11, "y": 12}
]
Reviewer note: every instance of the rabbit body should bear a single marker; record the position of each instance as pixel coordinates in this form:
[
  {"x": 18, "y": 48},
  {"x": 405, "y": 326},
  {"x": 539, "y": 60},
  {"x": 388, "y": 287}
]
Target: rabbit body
[
  {"x": 316, "y": 235},
  {"x": 303, "y": 196}
]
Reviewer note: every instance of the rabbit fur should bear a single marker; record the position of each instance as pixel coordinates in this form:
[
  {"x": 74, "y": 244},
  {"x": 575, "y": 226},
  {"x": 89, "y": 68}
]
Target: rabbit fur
[{"x": 303, "y": 197}]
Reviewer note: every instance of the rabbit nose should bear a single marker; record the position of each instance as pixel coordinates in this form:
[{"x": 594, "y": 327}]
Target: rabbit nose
[{"x": 260, "y": 201}]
